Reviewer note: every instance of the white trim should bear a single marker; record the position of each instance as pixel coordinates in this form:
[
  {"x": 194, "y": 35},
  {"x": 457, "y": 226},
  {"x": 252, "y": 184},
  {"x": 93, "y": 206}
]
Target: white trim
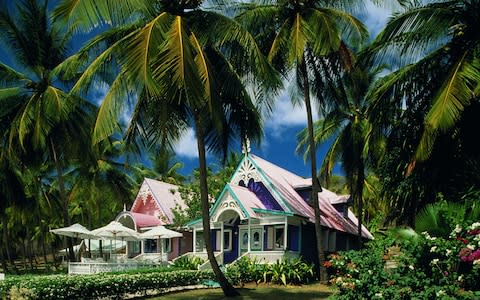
[
  {"x": 285, "y": 242},
  {"x": 249, "y": 248},
  {"x": 194, "y": 240},
  {"x": 230, "y": 240}
]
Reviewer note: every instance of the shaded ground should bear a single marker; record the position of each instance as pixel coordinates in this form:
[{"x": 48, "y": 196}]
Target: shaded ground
[{"x": 314, "y": 291}]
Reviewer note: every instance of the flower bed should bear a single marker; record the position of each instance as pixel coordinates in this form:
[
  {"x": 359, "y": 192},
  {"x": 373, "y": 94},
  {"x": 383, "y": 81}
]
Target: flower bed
[
  {"x": 100, "y": 285},
  {"x": 425, "y": 268}
]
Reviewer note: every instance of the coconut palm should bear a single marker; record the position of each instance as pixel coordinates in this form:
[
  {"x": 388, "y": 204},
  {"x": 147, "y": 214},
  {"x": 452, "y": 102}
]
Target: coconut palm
[
  {"x": 186, "y": 66},
  {"x": 294, "y": 33},
  {"x": 44, "y": 119},
  {"x": 356, "y": 143},
  {"x": 436, "y": 46}
]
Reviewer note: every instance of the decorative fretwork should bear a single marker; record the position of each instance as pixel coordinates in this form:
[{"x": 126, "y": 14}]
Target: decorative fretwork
[
  {"x": 246, "y": 172},
  {"x": 228, "y": 203}
]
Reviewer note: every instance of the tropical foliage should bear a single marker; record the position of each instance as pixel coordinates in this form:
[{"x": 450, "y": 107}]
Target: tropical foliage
[
  {"x": 429, "y": 268},
  {"x": 294, "y": 35}
]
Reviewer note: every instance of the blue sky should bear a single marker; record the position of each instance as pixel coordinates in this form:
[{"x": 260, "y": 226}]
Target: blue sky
[{"x": 281, "y": 127}]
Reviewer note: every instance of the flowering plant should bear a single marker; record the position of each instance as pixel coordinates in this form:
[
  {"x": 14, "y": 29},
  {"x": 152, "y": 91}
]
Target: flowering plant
[{"x": 426, "y": 267}]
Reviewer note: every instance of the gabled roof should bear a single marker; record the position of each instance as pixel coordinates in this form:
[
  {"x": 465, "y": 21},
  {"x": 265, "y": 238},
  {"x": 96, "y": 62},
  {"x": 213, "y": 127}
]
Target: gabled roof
[
  {"x": 283, "y": 185},
  {"x": 156, "y": 199}
]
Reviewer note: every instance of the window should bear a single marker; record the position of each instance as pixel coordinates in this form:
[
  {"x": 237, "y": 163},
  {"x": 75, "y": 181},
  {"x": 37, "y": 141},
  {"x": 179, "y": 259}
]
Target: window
[
  {"x": 199, "y": 242},
  {"x": 275, "y": 237},
  {"x": 167, "y": 245},
  {"x": 279, "y": 238},
  {"x": 227, "y": 240},
  {"x": 256, "y": 239}
]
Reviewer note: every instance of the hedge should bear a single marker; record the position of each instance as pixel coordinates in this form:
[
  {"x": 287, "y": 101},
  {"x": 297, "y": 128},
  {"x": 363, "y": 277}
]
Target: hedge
[{"x": 100, "y": 285}]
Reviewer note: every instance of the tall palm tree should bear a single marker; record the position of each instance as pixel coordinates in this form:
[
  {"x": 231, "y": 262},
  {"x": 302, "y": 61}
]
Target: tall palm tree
[
  {"x": 436, "y": 46},
  {"x": 44, "y": 118},
  {"x": 186, "y": 66},
  {"x": 293, "y": 33},
  {"x": 356, "y": 143}
]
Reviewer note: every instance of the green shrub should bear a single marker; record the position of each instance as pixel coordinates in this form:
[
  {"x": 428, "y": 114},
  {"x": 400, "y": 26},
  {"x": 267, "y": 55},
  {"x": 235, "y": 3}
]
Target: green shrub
[
  {"x": 102, "y": 285},
  {"x": 426, "y": 267},
  {"x": 294, "y": 271},
  {"x": 188, "y": 263}
]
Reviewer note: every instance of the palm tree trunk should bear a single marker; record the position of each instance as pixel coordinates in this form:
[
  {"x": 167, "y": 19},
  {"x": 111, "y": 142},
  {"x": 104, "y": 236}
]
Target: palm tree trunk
[
  {"x": 359, "y": 192},
  {"x": 3, "y": 261},
  {"x": 227, "y": 288},
  {"x": 7, "y": 243},
  {"x": 63, "y": 199},
  {"x": 316, "y": 188}
]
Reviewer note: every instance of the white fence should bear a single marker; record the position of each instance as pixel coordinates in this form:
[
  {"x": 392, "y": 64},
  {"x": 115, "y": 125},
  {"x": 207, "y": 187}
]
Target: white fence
[{"x": 98, "y": 267}]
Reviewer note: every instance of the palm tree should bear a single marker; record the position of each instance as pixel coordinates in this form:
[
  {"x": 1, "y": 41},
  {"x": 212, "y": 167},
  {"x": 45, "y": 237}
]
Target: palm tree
[
  {"x": 187, "y": 67},
  {"x": 44, "y": 118},
  {"x": 439, "y": 67},
  {"x": 101, "y": 177},
  {"x": 167, "y": 167},
  {"x": 294, "y": 33},
  {"x": 355, "y": 141}
]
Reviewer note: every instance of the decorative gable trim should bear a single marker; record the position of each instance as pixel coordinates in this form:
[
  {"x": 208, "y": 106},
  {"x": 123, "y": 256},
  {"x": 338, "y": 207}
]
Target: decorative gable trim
[
  {"x": 228, "y": 201},
  {"x": 248, "y": 169},
  {"x": 142, "y": 195}
]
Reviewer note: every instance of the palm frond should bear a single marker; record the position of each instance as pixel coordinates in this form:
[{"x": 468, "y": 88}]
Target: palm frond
[
  {"x": 298, "y": 39},
  {"x": 323, "y": 31},
  {"x": 140, "y": 49},
  {"x": 455, "y": 93},
  {"x": 110, "y": 109},
  {"x": 84, "y": 15},
  {"x": 9, "y": 76},
  {"x": 177, "y": 70}
]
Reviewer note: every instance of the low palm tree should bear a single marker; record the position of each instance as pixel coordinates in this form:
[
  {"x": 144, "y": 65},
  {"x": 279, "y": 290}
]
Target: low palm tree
[
  {"x": 293, "y": 33},
  {"x": 356, "y": 143},
  {"x": 438, "y": 47},
  {"x": 186, "y": 66},
  {"x": 47, "y": 124}
]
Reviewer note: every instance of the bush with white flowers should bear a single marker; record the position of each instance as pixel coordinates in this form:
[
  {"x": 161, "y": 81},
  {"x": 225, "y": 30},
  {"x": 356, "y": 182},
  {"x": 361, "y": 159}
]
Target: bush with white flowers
[{"x": 428, "y": 267}]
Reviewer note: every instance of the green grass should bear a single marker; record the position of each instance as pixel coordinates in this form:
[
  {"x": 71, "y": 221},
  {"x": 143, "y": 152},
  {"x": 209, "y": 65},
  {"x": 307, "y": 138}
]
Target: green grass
[{"x": 314, "y": 291}]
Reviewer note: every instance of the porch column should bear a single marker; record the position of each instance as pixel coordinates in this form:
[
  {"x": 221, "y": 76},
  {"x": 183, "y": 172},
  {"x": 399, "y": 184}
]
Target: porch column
[
  {"x": 194, "y": 240},
  {"x": 222, "y": 237},
  {"x": 286, "y": 234},
  {"x": 249, "y": 234}
]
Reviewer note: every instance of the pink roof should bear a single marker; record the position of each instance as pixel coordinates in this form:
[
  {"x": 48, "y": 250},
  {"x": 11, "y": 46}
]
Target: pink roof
[
  {"x": 166, "y": 198},
  {"x": 143, "y": 220},
  {"x": 285, "y": 182},
  {"x": 248, "y": 199}
]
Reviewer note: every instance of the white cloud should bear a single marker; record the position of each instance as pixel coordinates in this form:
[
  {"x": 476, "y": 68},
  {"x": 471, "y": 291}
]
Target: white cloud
[
  {"x": 375, "y": 18},
  {"x": 187, "y": 145},
  {"x": 286, "y": 115}
]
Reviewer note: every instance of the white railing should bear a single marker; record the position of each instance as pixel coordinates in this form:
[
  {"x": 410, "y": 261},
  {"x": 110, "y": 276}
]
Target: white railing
[
  {"x": 152, "y": 257},
  {"x": 269, "y": 257},
  {"x": 99, "y": 267}
]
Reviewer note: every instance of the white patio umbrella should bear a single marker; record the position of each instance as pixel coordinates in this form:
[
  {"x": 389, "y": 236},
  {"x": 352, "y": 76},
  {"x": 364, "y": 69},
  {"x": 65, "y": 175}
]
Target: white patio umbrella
[
  {"x": 160, "y": 232},
  {"x": 76, "y": 230},
  {"x": 116, "y": 230}
]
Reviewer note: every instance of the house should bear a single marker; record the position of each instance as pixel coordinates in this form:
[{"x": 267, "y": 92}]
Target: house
[
  {"x": 265, "y": 212},
  {"x": 154, "y": 206}
]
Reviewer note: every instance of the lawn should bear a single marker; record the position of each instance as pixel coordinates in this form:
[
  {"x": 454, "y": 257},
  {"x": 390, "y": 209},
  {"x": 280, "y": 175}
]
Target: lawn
[{"x": 262, "y": 291}]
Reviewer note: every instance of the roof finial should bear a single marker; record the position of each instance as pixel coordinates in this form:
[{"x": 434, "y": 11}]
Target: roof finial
[
  {"x": 246, "y": 146},
  {"x": 124, "y": 207}
]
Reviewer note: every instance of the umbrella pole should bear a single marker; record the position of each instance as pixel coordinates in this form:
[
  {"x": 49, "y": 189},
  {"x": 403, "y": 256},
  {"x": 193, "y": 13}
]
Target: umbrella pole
[{"x": 161, "y": 250}]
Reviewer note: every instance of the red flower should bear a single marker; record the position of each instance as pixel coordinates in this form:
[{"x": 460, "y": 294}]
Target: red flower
[
  {"x": 465, "y": 241},
  {"x": 327, "y": 264}
]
